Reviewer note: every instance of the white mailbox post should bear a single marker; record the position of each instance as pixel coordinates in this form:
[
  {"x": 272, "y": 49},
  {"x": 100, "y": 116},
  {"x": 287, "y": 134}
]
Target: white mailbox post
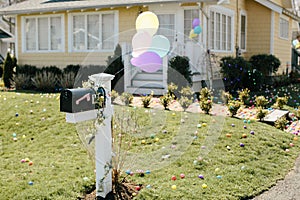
[{"x": 103, "y": 137}]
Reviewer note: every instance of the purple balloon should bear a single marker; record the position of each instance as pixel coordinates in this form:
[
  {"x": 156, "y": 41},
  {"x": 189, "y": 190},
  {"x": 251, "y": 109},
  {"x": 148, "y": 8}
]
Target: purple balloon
[
  {"x": 196, "y": 22},
  {"x": 148, "y": 61}
]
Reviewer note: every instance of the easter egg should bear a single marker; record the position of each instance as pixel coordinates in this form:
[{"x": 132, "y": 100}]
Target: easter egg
[
  {"x": 148, "y": 186},
  {"x": 173, "y": 187},
  {"x": 291, "y": 145},
  {"x": 30, "y": 183},
  {"x": 27, "y": 159},
  {"x": 217, "y": 169},
  {"x": 173, "y": 178},
  {"x": 252, "y": 132},
  {"x": 204, "y": 124},
  {"x": 242, "y": 145},
  {"x": 199, "y": 125},
  {"x": 30, "y": 163},
  {"x": 23, "y": 160},
  {"x": 147, "y": 172},
  {"x": 156, "y": 139},
  {"x": 15, "y": 139},
  {"x": 17, "y": 114},
  {"x": 14, "y": 135},
  {"x": 134, "y": 194},
  {"x": 219, "y": 177},
  {"x": 128, "y": 172},
  {"x": 23, "y": 136},
  {"x": 232, "y": 125},
  {"x": 173, "y": 114},
  {"x": 200, "y": 176},
  {"x": 138, "y": 188},
  {"x": 143, "y": 141},
  {"x": 182, "y": 176},
  {"x": 245, "y": 127},
  {"x": 295, "y": 139},
  {"x": 228, "y": 135},
  {"x": 152, "y": 136},
  {"x": 244, "y": 135},
  {"x": 204, "y": 186}
]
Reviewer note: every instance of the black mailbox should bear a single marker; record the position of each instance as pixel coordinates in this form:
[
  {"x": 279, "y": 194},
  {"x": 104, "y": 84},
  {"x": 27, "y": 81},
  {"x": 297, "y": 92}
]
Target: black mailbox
[{"x": 77, "y": 100}]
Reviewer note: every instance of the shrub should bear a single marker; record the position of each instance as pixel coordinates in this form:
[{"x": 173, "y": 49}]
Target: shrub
[
  {"x": 171, "y": 90},
  {"x": 165, "y": 101},
  {"x": 114, "y": 94},
  {"x": 233, "y": 106},
  {"x": 181, "y": 65},
  {"x": 45, "y": 81},
  {"x": 146, "y": 100},
  {"x": 280, "y": 102},
  {"x": 261, "y": 101},
  {"x": 226, "y": 97},
  {"x": 266, "y": 64},
  {"x": 71, "y": 68},
  {"x": 24, "y": 75},
  {"x": 261, "y": 113},
  {"x": 244, "y": 95},
  {"x": 115, "y": 66},
  {"x": 205, "y": 100},
  {"x": 235, "y": 73},
  {"x": 8, "y": 70},
  {"x": 127, "y": 98},
  {"x": 281, "y": 123},
  {"x": 22, "y": 81},
  {"x": 67, "y": 79},
  {"x": 186, "y": 97}
]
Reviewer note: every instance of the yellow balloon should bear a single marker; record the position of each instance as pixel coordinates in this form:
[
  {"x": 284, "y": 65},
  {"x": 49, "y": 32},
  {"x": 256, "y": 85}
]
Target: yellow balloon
[
  {"x": 192, "y": 34},
  {"x": 147, "y": 21}
]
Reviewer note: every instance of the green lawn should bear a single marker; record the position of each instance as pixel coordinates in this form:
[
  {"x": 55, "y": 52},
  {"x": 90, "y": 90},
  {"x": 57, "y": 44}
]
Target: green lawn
[{"x": 162, "y": 142}]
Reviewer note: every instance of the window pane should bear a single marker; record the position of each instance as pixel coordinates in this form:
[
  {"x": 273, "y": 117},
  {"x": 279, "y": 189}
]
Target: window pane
[
  {"x": 243, "y": 32},
  {"x": 284, "y": 26},
  {"x": 30, "y": 31},
  {"x": 229, "y": 34},
  {"x": 56, "y": 35},
  {"x": 212, "y": 30},
  {"x": 108, "y": 31},
  {"x": 93, "y": 32},
  {"x": 189, "y": 16},
  {"x": 218, "y": 31},
  {"x": 79, "y": 32},
  {"x": 43, "y": 33},
  {"x": 224, "y": 32},
  {"x": 167, "y": 26}
]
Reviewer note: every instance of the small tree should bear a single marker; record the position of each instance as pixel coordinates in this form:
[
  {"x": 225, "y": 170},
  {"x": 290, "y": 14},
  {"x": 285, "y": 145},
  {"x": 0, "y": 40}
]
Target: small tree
[
  {"x": 261, "y": 113},
  {"x": 146, "y": 100},
  {"x": 261, "y": 101},
  {"x": 165, "y": 101},
  {"x": 244, "y": 95},
  {"x": 8, "y": 70},
  {"x": 205, "y": 100},
  {"x": 186, "y": 97},
  {"x": 280, "y": 102},
  {"x": 233, "y": 106},
  {"x": 281, "y": 123},
  {"x": 267, "y": 64},
  {"x": 115, "y": 66}
]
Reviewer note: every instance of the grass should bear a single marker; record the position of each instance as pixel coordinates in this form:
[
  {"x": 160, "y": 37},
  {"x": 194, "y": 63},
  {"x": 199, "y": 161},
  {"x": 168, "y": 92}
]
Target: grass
[{"x": 164, "y": 142}]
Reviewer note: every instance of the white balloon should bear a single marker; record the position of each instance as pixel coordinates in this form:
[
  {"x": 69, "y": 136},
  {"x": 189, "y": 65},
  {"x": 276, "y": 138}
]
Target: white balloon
[
  {"x": 160, "y": 45},
  {"x": 141, "y": 42}
]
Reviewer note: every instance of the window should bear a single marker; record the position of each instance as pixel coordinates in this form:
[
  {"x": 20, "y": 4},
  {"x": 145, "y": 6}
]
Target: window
[
  {"x": 284, "y": 28},
  {"x": 93, "y": 31},
  {"x": 221, "y": 34},
  {"x": 189, "y": 16},
  {"x": 43, "y": 33},
  {"x": 167, "y": 26},
  {"x": 243, "y": 33}
]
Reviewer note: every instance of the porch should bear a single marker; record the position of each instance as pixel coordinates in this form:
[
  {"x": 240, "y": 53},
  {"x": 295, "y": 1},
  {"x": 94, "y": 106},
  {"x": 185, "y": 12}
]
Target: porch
[{"x": 202, "y": 65}]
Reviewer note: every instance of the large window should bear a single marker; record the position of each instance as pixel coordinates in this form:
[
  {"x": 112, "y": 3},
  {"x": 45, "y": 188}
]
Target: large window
[
  {"x": 284, "y": 28},
  {"x": 93, "y": 31},
  {"x": 43, "y": 33},
  {"x": 189, "y": 16},
  {"x": 243, "y": 32},
  {"x": 221, "y": 33},
  {"x": 167, "y": 26}
]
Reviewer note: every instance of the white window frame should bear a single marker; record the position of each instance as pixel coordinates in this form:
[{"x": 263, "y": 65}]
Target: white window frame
[
  {"x": 228, "y": 13},
  {"x": 243, "y": 13},
  {"x": 285, "y": 37},
  {"x": 36, "y": 17},
  {"x": 70, "y": 30},
  {"x": 169, "y": 13},
  {"x": 199, "y": 16}
]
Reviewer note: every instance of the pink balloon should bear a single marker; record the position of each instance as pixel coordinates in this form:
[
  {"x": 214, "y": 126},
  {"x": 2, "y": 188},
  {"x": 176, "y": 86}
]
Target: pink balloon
[
  {"x": 141, "y": 42},
  {"x": 196, "y": 22},
  {"x": 148, "y": 61}
]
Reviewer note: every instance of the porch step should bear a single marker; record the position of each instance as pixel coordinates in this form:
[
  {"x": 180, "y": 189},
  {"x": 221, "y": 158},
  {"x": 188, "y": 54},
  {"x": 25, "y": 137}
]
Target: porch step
[
  {"x": 147, "y": 83},
  {"x": 145, "y": 90},
  {"x": 149, "y": 76}
]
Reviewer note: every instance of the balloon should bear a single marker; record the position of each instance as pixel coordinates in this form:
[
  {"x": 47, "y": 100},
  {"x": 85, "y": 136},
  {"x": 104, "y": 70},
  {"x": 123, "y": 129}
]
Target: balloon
[
  {"x": 148, "y": 61},
  {"x": 197, "y": 30},
  {"x": 192, "y": 34},
  {"x": 196, "y": 22},
  {"x": 141, "y": 41},
  {"x": 160, "y": 45},
  {"x": 147, "y": 21}
]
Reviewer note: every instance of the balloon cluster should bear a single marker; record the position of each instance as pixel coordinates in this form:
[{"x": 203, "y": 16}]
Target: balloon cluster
[
  {"x": 196, "y": 28},
  {"x": 148, "y": 49}
]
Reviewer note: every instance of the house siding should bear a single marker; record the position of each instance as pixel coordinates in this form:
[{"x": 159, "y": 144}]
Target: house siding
[{"x": 259, "y": 29}]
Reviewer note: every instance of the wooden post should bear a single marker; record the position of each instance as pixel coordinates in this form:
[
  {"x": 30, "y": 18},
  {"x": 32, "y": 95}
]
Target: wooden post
[{"x": 103, "y": 140}]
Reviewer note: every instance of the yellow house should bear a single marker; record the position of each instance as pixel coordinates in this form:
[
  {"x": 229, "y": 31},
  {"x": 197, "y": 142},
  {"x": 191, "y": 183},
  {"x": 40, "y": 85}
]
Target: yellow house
[{"x": 63, "y": 32}]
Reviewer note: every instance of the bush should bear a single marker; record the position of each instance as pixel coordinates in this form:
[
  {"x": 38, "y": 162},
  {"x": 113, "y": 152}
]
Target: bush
[
  {"x": 67, "y": 80},
  {"x": 45, "y": 81},
  {"x": 165, "y": 101},
  {"x": 244, "y": 95},
  {"x": 261, "y": 113},
  {"x": 281, "y": 123},
  {"x": 266, "y": 64},
  {"x": 280, "y": 102},
  {"x": 115, "y": 66},
  {"x": 261, "y": 101},
  {"x": 146, "y": 100},
  {"x": 172, "y": 89},
  {"x": 186, "y": 97},
  {"x": 22, "y": 82},
  {"x": 205, "y": 100},
  {"x": 114, "y": 94},
  {"x": 8, "y": 70},
  {"x": 181, "y": 66},
  {"x": 233, "y": 106},
  {"x": 127, "y": 98},
  {"x": 235, "y": 73}
]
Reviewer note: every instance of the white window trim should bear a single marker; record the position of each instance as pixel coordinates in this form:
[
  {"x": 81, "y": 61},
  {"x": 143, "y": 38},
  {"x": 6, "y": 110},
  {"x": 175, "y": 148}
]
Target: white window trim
[
  {"x": 49, "y": 36},
  {"x": 243, "y": 13},
  {"x": 70, "y": 30},
  {"x": 227, "y": 12},
  {"x": 287, "y": 19},
  {"x": 200, "y": 39}
]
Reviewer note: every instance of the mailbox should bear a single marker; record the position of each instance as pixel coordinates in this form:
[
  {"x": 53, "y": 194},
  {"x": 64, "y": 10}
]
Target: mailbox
[{"x": 77, "y": 100}]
